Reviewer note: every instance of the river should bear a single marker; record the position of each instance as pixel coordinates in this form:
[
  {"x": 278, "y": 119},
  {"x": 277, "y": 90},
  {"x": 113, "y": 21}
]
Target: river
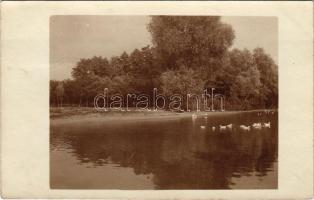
[{"x": 179, "y": 153}]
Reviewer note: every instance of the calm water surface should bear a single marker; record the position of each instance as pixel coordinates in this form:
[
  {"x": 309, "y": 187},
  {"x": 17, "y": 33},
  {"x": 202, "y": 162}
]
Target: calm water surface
[{"x": 165, "y": 154}]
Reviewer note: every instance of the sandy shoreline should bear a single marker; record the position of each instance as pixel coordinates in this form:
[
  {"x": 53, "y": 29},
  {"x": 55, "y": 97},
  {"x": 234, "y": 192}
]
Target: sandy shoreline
[{"x": 68, "y": 115}]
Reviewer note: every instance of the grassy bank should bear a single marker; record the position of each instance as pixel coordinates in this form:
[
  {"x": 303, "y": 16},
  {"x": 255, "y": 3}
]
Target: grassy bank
[
  {"x": 73, "y": 111},
  {"x": 89, "y": 113}
]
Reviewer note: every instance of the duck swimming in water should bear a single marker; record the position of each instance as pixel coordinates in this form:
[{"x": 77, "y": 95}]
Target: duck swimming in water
[
  {"x": 229, "y": 126},
  {"x": 266, "y": 125},
  {"x": 257, "y": 125},
  {"x": 222, "y": 127},
  {"x": 246, "y": 128}
]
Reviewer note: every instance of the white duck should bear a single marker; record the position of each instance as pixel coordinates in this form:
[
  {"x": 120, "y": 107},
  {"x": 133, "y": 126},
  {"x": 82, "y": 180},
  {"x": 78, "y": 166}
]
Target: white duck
[
  {"x": 222, "y": 127},
  {"x": 257, "y": 125},
  {"x": 246, "y": 128},
  {"x": 266, "y": 125},
  {"x": 229, "y": 126}
]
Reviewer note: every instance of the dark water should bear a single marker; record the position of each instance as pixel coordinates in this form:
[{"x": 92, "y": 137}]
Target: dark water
[{"x": 165, "y": 154}]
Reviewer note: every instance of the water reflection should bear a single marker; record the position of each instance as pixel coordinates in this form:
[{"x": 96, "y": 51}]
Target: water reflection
[{"x": 165, "y": 154}]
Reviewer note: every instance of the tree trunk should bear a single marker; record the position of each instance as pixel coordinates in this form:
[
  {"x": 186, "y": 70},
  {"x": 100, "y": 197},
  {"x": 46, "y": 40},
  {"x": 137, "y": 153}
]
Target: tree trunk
[{"x": 57, "y": 101}]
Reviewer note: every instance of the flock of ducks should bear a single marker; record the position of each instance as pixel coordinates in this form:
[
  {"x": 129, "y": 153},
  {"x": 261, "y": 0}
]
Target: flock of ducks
[
  {"x": 257, "y": 126},
  {"x": 267, "y": 112}
]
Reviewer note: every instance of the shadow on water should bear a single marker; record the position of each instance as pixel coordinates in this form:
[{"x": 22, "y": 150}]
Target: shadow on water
[{"x": 173, "y": 154}]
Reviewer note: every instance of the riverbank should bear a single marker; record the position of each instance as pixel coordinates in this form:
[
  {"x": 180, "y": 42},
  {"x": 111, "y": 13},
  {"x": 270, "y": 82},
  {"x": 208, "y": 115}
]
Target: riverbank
[{"x": 76, "y": 114}]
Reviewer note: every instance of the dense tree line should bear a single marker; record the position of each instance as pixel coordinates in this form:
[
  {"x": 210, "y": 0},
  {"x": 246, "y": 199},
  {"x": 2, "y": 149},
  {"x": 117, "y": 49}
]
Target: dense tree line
[{"x": 189, "y": 54}]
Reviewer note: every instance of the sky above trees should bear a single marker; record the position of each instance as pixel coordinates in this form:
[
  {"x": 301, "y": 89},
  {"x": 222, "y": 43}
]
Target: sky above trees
[{"x": 76, "y": 37}]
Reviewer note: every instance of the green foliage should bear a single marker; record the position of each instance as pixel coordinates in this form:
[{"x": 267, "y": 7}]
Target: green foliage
[
  {"x": 191, "y": 41},
  {"x": 269, "y": 77},
  {"x": 246, "y": 78},
  {"x": 189, "y": 54},
  {"x": 182, "y": 81}
]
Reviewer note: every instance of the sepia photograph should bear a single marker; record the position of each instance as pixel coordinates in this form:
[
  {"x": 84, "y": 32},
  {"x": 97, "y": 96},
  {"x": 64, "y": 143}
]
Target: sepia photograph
[
  {"x": 156, "y": 100},
  {"x": 163, "y": 102}
]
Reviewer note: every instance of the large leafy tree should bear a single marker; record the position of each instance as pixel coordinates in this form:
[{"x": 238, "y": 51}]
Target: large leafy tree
[
  {"x": 190, "y": 41},
  {"x": 240, "y": 77},
  {"x": 183, "y": 82},
  {"x": 88, "y": 74},
  {"x": 144, "y": 70},
  {"x": 268, "y": 77}
]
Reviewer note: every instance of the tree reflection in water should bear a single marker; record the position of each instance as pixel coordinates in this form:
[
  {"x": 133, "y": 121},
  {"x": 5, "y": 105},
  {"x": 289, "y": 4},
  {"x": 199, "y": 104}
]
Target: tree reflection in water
[{"x": 177, "y": 153}]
